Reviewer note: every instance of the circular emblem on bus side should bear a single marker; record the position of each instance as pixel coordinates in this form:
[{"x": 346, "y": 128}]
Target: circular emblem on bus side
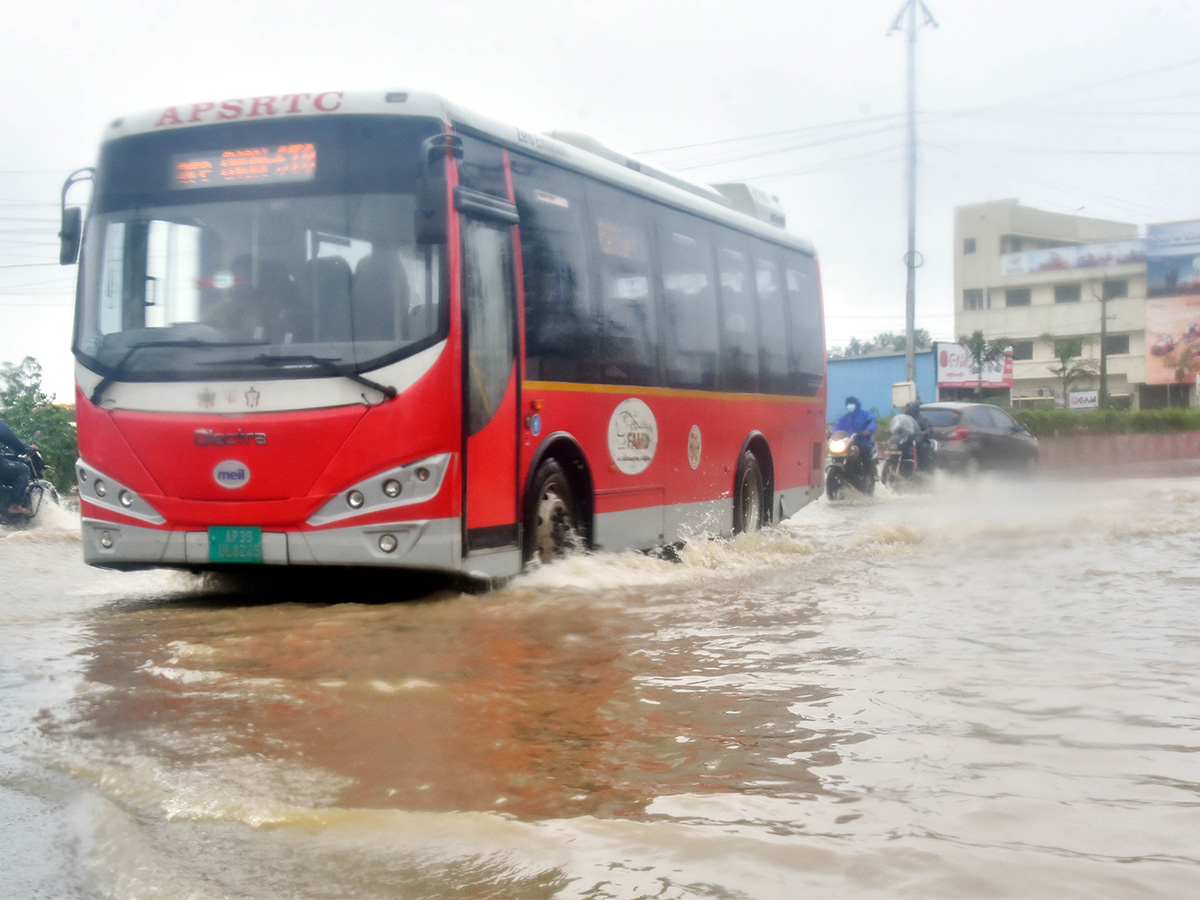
[
  {"x": 694, "y": 447},
  {"x": 632, "y": 436},
  {"x": 231, "y": 474}
]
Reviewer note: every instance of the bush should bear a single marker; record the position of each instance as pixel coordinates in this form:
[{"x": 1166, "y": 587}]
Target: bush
[
  {"x": 29, "y": 411},
  {"x": 1065, "y": 422}
]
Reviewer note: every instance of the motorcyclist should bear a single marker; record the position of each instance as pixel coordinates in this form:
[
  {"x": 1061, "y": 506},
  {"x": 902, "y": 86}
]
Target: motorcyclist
[
  {"x": 860, "y": 423},
  {"x": 924, "y": 435},
  {"x": 14, "y": 477}
]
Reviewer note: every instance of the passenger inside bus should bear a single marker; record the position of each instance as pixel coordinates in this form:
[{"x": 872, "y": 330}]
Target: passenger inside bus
[{"x": 260, "y": 307}]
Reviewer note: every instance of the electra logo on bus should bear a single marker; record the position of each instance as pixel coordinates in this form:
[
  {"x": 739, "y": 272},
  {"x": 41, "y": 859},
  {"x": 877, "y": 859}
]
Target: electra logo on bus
[
  {"x": 206, "y": 437},
  {"x": 251, "y": 108}
]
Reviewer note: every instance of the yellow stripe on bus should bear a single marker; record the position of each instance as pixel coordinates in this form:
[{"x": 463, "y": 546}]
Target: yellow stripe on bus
[{"x": 688, "y": 393}]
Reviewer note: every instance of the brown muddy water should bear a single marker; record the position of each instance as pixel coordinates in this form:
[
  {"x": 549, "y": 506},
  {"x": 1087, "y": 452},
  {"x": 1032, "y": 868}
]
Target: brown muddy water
[{"x": 982, "y": 690}]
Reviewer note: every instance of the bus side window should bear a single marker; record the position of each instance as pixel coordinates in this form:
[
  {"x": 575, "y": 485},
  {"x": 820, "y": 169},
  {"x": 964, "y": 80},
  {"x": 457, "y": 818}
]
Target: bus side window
[
  {"x": 561, "y": 338},
  {"x": 625, "y": 288},
  {"x": 807, "y": 361},
  {"x": 488, "y": 306},
  {"x": 690, "y": 320},
  {"x": 739, "y": 319},
  {"x": 482, "y": 167},
  {"x": 772, "y": 332}
]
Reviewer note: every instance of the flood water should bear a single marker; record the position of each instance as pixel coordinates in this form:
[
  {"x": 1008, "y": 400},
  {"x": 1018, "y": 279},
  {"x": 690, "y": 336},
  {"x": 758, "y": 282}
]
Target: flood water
[{"x": 989, "y": 689}]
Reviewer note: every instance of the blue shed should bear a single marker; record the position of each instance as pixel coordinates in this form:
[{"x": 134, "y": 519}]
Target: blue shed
[{"x": 870, "y": 379}]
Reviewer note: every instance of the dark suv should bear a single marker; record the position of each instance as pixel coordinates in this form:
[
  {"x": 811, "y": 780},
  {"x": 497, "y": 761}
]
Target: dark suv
[{"x": 976, "y": 436}]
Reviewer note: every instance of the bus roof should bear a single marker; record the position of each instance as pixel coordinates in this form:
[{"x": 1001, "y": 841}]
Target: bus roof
[{"x": 575, "y": 151}]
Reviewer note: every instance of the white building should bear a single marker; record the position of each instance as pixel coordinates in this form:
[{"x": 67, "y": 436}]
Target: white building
[{"x": 1023, "y": 273}]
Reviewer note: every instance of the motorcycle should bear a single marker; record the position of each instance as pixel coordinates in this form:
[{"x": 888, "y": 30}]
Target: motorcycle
[
  {"x": 847, "y": 464},
  {"x": 37, "y": 493},
  {"x": 910, "y": 454}
]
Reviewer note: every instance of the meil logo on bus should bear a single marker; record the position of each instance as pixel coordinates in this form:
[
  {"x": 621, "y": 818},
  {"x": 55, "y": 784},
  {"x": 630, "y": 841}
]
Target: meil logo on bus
[{"x": 231, "y": 474}]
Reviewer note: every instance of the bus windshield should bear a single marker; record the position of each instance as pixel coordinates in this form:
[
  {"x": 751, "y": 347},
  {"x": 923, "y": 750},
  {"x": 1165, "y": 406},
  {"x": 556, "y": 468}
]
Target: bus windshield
[{"x": 216, "y": 252}]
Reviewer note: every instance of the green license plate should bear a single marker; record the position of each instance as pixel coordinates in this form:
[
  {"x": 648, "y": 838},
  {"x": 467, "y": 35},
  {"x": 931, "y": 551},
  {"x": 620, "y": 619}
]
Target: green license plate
[{"x": 234, "y": 544}]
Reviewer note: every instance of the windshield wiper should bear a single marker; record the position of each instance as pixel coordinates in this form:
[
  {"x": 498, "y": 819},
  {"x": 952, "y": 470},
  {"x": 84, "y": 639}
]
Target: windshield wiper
[
  {"x": 115, "y": 371},
  {"x": 327, "y": 365}
]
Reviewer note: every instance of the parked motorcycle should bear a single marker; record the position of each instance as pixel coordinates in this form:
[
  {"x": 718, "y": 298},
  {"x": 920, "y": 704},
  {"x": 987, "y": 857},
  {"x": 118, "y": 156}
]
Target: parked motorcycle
[
  {"x": 847, "y": 464},
  {"x": 37, "y": 493},
  {"x": 910, "y": 454}
]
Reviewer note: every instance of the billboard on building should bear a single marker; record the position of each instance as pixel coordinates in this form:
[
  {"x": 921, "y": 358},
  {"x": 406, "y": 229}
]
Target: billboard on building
[
  {"x": 956, "y": 370},
  {"x": 1090, "y": 256},
  {"x": 1172, "y": 300},
  {"x": 1173, "y": 259}
]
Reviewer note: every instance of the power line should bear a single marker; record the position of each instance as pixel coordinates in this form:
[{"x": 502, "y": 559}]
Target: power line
[
  {"x": 846, "y": 162},
  {"x": 928, "y": 118},
  {"x": 769, "y": 134},
  {"x": 1132, "y": 206}
]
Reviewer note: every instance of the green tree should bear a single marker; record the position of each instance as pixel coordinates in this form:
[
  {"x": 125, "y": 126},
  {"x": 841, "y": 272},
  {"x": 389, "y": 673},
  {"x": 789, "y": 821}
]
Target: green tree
[
  {"x": 886, "y": 342},
  {"x": 1070, "y": 368},
  {"x": 899, "y": 341},
  {"x": 37, "y": 419},
  {"x": 983, "y": 352}
]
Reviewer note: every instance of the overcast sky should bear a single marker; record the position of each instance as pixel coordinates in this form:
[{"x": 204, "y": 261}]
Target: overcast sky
[{"x": 1082, "y": 106}]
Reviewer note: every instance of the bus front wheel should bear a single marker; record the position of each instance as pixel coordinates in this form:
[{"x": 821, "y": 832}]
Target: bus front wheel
[
  {"x": 552, "y": 519},
  {"x": 748, "y": 514}
]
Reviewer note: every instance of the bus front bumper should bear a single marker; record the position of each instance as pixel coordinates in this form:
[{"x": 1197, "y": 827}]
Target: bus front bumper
[{"x": 427, "y": 544}]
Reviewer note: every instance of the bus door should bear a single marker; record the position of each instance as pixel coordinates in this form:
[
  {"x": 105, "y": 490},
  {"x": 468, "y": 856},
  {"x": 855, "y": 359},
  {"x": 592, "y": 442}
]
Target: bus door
[{"x": 490, "y": 383}]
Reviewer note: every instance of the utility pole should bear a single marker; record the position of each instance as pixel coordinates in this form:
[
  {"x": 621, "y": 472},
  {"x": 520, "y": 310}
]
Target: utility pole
[
  {"x": 912, "y": 259},
  {"x": 1103, "y": 347}
]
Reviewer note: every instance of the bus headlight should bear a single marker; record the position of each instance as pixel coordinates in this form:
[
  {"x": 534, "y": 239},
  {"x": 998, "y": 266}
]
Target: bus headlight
[
  {"x": 107, "y": 492},
  {"x": 406, "y": 485}
]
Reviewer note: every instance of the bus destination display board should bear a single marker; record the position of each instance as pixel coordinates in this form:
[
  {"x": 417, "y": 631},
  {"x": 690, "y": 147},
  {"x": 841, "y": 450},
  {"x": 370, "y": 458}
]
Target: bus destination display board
[{"x": 249, "y": 165}]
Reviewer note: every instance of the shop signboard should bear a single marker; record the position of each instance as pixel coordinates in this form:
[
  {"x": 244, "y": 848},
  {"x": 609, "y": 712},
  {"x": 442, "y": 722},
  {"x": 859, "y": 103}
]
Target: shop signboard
[
  {"x": 1084, "y": 400},
  {"x": 955, "y": 369}
]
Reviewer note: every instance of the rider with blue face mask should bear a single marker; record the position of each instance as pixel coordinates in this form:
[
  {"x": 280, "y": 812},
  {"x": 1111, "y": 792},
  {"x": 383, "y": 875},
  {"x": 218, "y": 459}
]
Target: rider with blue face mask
[{"x": 858, "y": 421}]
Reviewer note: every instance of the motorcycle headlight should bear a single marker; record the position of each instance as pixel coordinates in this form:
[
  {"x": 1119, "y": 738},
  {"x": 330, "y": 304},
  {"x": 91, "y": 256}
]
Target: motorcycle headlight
[{"x": 838, "y": 446}]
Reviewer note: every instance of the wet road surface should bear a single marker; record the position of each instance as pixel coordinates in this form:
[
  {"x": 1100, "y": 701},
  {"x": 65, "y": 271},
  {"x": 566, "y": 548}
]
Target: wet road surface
[{"x": 988, "y": 689}]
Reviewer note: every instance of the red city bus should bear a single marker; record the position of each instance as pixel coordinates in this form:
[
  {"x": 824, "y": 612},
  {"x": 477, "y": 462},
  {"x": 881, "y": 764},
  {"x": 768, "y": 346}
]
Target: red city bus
[{"x": 379, "y": 330}]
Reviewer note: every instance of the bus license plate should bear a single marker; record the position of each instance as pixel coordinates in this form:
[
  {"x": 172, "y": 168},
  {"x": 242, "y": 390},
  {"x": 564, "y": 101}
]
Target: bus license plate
[{"x": 234, "y": 544}]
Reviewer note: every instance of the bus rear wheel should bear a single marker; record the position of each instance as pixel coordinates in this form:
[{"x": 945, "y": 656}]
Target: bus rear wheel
[
  {"x": 748, "y": 507},
  {"x": 552, "y": 517}
]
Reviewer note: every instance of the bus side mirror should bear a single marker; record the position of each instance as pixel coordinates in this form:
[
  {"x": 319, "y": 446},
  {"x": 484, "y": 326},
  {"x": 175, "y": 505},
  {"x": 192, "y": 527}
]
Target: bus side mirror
[
  {"x": 432, "y": 203},
  {"x": 433, "y": 200},
  {"x": 69, "y": 237},
  {"x": 72, "y": 219}
]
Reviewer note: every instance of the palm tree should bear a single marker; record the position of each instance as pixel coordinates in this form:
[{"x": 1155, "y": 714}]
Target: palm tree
[
  {"x": 983, "y": 352},
  {"x": 1069, "y": 369}
]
